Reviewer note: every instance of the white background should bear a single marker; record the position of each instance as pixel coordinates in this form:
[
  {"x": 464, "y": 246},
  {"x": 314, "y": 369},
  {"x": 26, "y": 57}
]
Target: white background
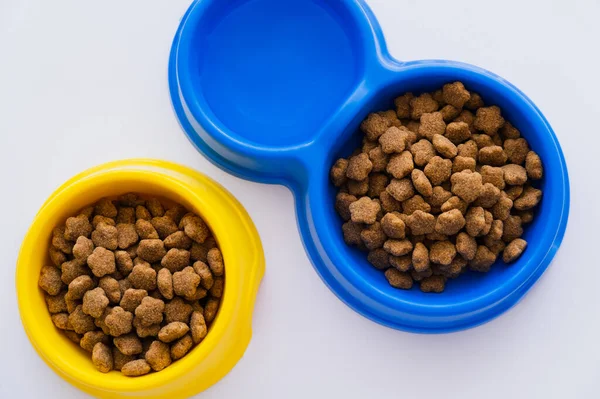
[{"x": 85, "y": 82}]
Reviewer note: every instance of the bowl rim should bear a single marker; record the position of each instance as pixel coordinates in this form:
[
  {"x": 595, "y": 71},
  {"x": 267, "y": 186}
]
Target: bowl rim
[{"x": 152, "y": 172}]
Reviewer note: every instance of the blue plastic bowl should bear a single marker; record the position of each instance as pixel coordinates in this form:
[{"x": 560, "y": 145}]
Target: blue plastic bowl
[{"x": 274, "y": 91}]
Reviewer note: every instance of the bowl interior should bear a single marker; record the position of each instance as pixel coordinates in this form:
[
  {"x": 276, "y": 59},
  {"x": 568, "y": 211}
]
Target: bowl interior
[
  {"x": 55, "y": 348},
  {"x": 471, "y": 290},
  {"x": 269, "y": 73}
]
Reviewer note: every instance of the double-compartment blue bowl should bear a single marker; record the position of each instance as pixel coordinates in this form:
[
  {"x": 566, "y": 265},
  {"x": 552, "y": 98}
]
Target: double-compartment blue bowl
[{"x": 274, "y": 91}]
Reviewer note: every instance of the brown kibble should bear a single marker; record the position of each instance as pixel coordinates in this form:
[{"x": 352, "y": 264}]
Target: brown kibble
[
  {"x": 198, "y": 327},
  {"x": 420, "y": 257},
  {"x": 78, "y": 287},
  {"x": 377, "y": 184},
  {"x": 105, "y": 208},
  {"x": 368, "y": 145},
  {"x": 432, "y": 124},
  {"x": 59, "y": 241},
  {"x": 373, "y": 236},
  {"x": 102, "y": 357},
  {"x": 150, "y": 311},
  {"x": 439, "y": 196},
  {"x": 155, "y": 207},
  {"x": 143, "y": 277},
  {"x": 393, "y": 226},
  {"x": 177, "y": 310},
  {"x": 433, "y": 284},
  {"x": 73, "y": 269},
  {"x": 508, "y": 131},
  {"x": 130, "y": 200},
  {"x": 413, "y": 126},
  {"x": 218, "y": 287},
  {"x": 176, "y": 259},
  {"x": 501, "y": 210},
  {"x": 77, "y": 226},
  {"x": 102, "y": 219},
  {"x": 421, "y": 183},
  {"x": 531, "y": 197},
  {"x": 132, "y": 298},
  {"x": 463, "y": 163},
  {"x": 125, "y": 215},
  {"x": 72, "y": 336},
  {"x": 442, "y": 252},
  {"x": 145, "y": 229},
  {"x": 195, "y": 228},
  {"x": 105, "y": 236},
  {"x": 421, "y": 223},
  {"x": 158, "y": 355},
  {"x": 489, "y": 120},
  {"x": 151, "y": 250},
  {"x": 389, "y": 203},
  {"x": 475, "y": 221},
  {"x": 145, "y": 331},
  {"x": 393, "y": 140},
  {"x": 444, "y": 146},
  {"x": 512, "y": 228},
  {"x": 120, "y": 360},
  {"x": 533, "y": 165},
  {"x": 83, "y": 248},
  {"x": 422, "y": 152},
  {"x": 379, "y": 258},
  {"x": 374, "y": 126},
  {"x": 398, "y": 279},
  {"x": 364, "y": 210},
  {"x": 128, "y": 344},
  {"x": 467, "y": 185},
  {"x": 449, "y": 113},
  {"x": 176, "y": 213},
  {"x": 80, "y": 321},
  {"x": 483, "y": 140},
  {"x": 438, "y": 170},
  {"x": 466, "y": 245},
  {"x": 102, "y": 262},
  {"x": 185, "y": 282},
  {"x": 450, "y": 222},
  {"x": 351, "y": 232},
  {"x": 178, "y": 240},
  {"x": 378, "y": 159},
  {"x": 496, "y": 230},
  {"x": 164, "y": 226},
  {"x": 419, "y": 276},
  {"x": 514, "y": 250},
  {"x": 91, "y": 338},
  {"x": 474, "y": 102},
  {"x": 126, "y": 235},
  {"x": 57, "y": 256},
  {"x": 403, "y": 105},
  {"x": 489, "y": 196},
  {"x": 94, "y": 302},
  {"x": 401, "y": 263},
  {"x": 165, "y": 283},
  {"x": 454, "y": 203},
  {"x": 483, "y": 260},
  {"x": 210, "y": 309},
  {"x": 398, "y": 247},
  {"x": 215, "y": 261},
  {"x": 56, "y": 303},
  {"x": 515, "y": 175},
  {"x": 495, "y": 246},
  {"x": 123, "y": 262},
  {"x": 514, "y": 192},
  {"x": 526, "y": 216},
  {"x": 468, "y": 149},
  {"x": 400, "y": 165},
  {"x": 422, "y": 104},
  {"x": 455, "y": 94},
  {"x": 358, "y": 188},
  {"x": 61, "y": 321},
  {"x": 200, "y": 251},
  {"x": 181, "y": 347},
  {"x": 135, "y": 368},
  {"x": 516, "y": 150},
  {"x": 206, "y": 277},
  {"x": 173, "y": 331},
  {"x": 119, "y": 321},
  {"x": 493, "y": 175},
  {"x": 493, "y": 155},
  {"x": 50, "y": 280},
  {"x": 111, "y": 288}
]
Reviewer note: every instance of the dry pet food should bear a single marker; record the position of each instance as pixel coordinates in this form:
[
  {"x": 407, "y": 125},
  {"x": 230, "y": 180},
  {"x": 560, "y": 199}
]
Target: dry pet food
[
  {"x": 441, "y": 184},
  {"x": 135, "y": 282}
]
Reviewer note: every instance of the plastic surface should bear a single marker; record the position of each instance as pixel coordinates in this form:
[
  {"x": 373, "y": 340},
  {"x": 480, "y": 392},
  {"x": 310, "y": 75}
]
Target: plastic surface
[
  {"x": 274, "y": 92},
  {"x": 229, "y": 334}
]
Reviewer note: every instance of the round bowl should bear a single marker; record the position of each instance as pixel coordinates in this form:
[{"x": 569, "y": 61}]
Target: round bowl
[
  {"x": 275, "y": 91},
  {"x": 230, "y": 332}
]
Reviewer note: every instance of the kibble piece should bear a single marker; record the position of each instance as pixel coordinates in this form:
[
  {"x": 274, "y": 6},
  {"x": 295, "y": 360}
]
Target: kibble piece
[
  {"x": 454, "y": 203},
  {"x": 398, "y": 247},
  {"x": 444, "y": 146},
  {"x": 483, "y": 141},
  {"x": 432, "y": 124},
  {"x": 455, "y": 94},
  {"x": 496, "y": 230},
  {"x": 73, "y": 269},
  {"x": 135, "y": 368},
  {"x": 514, "y": 192},
  {"x": 123, "y": 262},
  {"x": 400, "y": 165},
  {"x": 494, "y": 175},
  {"x": 72, "y": 336},
  {"x": 421, "y": 183},
  {"x": 514, "y": 250},
  {"x": 533, "y": 165},
  {"x": 379, "y": 258},
  {"x": 402, "y": 104},
  {"x": 50, "y": 280},
  {"x": 185, "y": 282},
  {"x": 474, "y": 102},
  {"x": 120, "y": 360},
  {"x": 130, "y": 200},
  {"x": 158, "y": 355},
  {"x": 531, "y": 197},
  {"x": 438, "y": 170},
  {"x": 91, "y": 338},
  {"x": 492, "y": 155},
  {"x": 475, "y": 221},
  {"x": 59, "y": 241},
  {"x": 119, "y": 321},
  {"x": 400, "y": 190},
  {"x": 57, "y": 256},
  {"x": 351, "y": 232},
  {"x": 389, "y": 203},
  {"x": 195, "y": 228},
  {"x": 164, "y": 226},
  {"x": 442, "y": 252},
  {"x": 181, "y": 347},
  {"x": 145, "y": 229},
  {"x": 176, "y": 213},
  {"x": 501, "y": 210},
  {"x": 433, "y": 284},
  {"x": 422, "y": 152},
  {"x": 419, "y": 276},
  {"x": 173, "y": 331},
  {"x": 61, "y": 321},
  {"x": 508, "y": 131},
  {"x": 78, "y": 287},
  {"x": 398, "y": 279},
  {"x": 364, "y": 210},
  {"x": 515, "y": 175},
  {"x": 83, "y": 248},
  {"x": 439, "y": 196},
  {"x": 358, "y": 188},
  {"x": 176, "y": 259},
  {"x": 128, "y": 344},
  {"x": 126, "y": 235},
  {"x": 377, "y": 184},
  {"x": 143, "y": 277},
  {"x": 378, "y": 159},
  {"x": 77, "y": 226},
  {"x": 393, "y": 140},
  {"x": 463, "y": 163},
  {"x": 421, "y": 223},
  {"x": 100, "y": 321},
  {"x": 198, "y": 327},
  {"x": 457, "y": 132},
  {"x": 468, "y": 149},
  {"x": 56, "y": 303},
  {"x": 374, "y": 126},
  {"x": 210, "y": 309},
  {"x": 111, "y": 288},
  {"x": 102, "y": 357},
  {"x": 420, "y": 257},
  {"x": 102, "y": 219},
  {"x": 218, "y": 287},
  {"x": 132, "y": 298},
  {"x": 337, "y": 174},
  {"x": 206, "y": 277},
  {"x": 178, "y": 240},
  {"x": 422, "y": 104},
  {"x": 80, "y": 321},
  {"x": 94, "y": 302},
  {"x": 516, "y": 150},
  {"x": 155, "y": 207},
  {"x": 151, "y": 250},
  {"x": 102, "y": 261},
  {"x": 125, "y": 215},
  {"x": 392, "y": 225},
  {"x": 105, "y": 236},
  {"x": 150, "y": 311},
  {"x": 483, "y": 260},
  {"x": 165, "y": 283},
  {"x": 373, "y": 236},
  {"x": 490, "y": 194},
  {"x": 512, "y": 228},
  {"x": 450, "y": 222},
  {"x": 467, "y": 185},
  {"x": 145, "y": 331},
  {"x": 401, "y": 263},
  {"x": 489, "y": 120},
  {"x": 200, "y": 251}
]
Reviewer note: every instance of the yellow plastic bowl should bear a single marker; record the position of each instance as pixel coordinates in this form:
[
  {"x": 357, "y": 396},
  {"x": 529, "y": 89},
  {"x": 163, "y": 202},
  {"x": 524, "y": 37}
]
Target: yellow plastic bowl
[{"x": 230, "y": 332}]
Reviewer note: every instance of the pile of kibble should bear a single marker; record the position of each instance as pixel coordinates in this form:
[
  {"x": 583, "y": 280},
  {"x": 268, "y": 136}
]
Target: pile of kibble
[
  {"x": 440, "y": 185},
  {"x": 132, "y": 283}
]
